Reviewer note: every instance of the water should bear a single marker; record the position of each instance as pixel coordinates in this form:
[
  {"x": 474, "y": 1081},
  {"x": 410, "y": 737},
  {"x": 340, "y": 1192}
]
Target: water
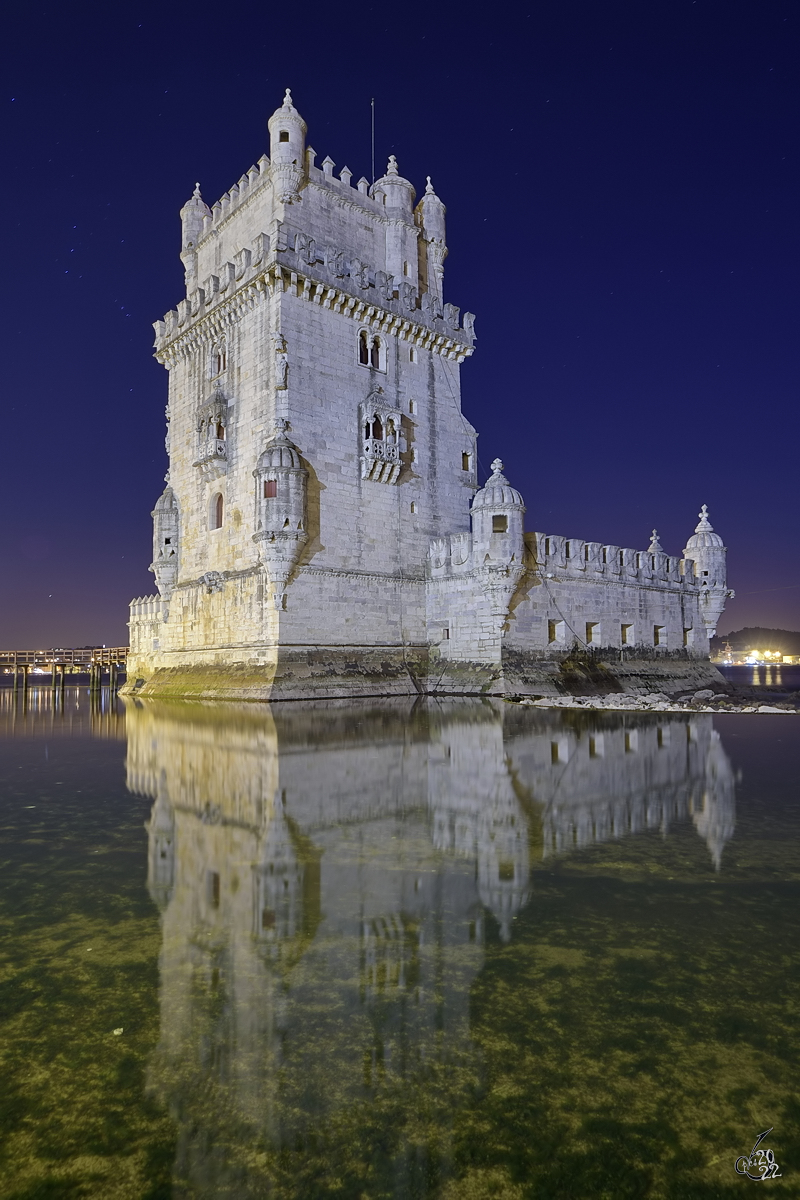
[
  {"x": 778, "y": 676},
  {"x": 444, "y": 950}
]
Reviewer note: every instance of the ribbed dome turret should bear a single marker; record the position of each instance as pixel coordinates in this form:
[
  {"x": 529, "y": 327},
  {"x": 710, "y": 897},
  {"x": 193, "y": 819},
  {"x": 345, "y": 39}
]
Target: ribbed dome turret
[
  {"x": 704, "y": 537},
  {"x": 279, "y": 452},
  {"x": 166, "y": 502},
  {"x": 497, "y": 491}
]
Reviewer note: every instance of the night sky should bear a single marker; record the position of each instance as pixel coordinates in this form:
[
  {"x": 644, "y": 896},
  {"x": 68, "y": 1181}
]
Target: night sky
[{"x": 622, "y": 186}]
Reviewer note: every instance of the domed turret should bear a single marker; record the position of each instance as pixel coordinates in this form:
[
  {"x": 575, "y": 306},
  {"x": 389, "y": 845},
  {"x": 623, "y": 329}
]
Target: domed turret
[
  {"x": 430, "y": 213},
  {"x": 166, "y": 518},
  {"x": 706, "y": 549},
  {"x": 287, "y": 150},
  {"x": 281, "y": 490},
  {"x": 398, "y": 195},
  {"x": 497, "y": 539},
  {"x": 393, "y": 190},
  {"x": 497, "y": 512},
  {"x": 193, "y": 214}
]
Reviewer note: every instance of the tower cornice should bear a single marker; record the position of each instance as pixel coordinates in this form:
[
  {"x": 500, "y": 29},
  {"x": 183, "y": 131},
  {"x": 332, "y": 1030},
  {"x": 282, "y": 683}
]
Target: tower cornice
[{"x": 196, "y": 322}]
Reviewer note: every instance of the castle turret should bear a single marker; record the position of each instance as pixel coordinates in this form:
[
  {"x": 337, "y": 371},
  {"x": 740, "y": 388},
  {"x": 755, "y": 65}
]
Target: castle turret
[
  {"x": 193, "y": 213},
  {"x": 705, "y": 548},
  {"x": 281, "y": 489},
  {"x": 165, "y": 541},
  {"x": 497, "y": 539},
  {"x": 430, "y": 213},
  {"x": 497, "y": 510},
  {"x": 287, "y": 150},
  {"x": 397, "y": 195}
]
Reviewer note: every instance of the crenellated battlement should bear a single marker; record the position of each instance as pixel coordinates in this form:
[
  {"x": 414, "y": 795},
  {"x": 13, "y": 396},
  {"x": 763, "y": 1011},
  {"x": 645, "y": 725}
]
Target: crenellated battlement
[
  {"x": 323, "y": 275},
  {"x": 148, "y": 608},
  {"x": 555, "y": 556}
]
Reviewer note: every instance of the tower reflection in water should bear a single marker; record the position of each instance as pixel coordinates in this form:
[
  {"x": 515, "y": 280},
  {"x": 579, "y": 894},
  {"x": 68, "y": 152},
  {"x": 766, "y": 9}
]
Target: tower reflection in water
[{"x": 326, "y": 876}]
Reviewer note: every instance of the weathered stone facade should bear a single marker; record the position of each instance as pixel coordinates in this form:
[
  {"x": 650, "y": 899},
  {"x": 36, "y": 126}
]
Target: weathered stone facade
[{"x": 320, "y": 533}]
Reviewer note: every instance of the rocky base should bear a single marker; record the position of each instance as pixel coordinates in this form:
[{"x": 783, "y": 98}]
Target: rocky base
[
  {"x": 704, "y": 700},
  {"x": 341, "y": 672}
]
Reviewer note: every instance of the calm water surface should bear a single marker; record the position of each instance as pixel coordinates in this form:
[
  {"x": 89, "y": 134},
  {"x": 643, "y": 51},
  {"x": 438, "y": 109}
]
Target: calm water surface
[{"x": 456, "y": 950}]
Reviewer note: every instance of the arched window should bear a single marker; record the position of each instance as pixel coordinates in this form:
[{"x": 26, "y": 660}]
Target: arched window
[
  {"x": 220, "y": 431},
  {"x": 377, "y": 428},
  {"x": 217, "y": 511},
  {"x": 219, "y": 358},
  {"x": 363, "y": 348},
  {"x": 371, "y": 350}
]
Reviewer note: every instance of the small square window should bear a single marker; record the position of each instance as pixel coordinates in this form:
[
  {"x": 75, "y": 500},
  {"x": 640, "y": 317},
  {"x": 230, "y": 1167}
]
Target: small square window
[
  {"x": 284, "y": 135},
  {"x": 592, "y": 633},
  {"x": 556, "y": 632},
  {"x": 270, "y": 488},
  {"x": 499, "y": 524}
]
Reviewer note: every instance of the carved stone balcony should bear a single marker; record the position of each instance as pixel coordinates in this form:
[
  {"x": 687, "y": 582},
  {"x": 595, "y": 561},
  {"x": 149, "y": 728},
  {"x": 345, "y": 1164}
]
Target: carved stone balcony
[
  {"x": 380, "y": 460},
  {"x": 212, "y": 458}
]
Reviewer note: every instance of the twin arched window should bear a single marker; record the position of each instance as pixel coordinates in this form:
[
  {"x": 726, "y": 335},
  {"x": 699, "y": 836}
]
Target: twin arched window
[
  {"x": 217, "y": 511},
  {"x": 373, "y": 429},
  {"x": 371, "y": 350}
]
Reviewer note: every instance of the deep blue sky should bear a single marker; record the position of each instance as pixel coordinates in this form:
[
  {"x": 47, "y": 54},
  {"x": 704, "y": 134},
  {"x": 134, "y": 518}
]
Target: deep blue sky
[{"x": 622, "y": 191}]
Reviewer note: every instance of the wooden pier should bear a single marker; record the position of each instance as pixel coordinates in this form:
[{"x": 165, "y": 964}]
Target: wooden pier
[{"x": 29, "y": 668}]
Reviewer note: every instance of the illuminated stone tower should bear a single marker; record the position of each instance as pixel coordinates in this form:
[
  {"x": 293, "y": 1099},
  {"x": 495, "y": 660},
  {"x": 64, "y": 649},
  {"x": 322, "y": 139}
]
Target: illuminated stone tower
[{"x": 317, "y": 535}]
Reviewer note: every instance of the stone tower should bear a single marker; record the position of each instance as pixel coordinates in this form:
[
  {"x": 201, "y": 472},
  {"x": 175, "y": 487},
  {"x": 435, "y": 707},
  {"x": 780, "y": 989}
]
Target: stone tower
[
  {"x": 315, "y": 434},
  {"x": 320, "y": 533}
]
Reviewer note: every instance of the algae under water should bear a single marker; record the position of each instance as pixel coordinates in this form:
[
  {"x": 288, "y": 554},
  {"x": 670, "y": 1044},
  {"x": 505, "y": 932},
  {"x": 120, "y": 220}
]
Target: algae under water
[{"x": 457, "y": 950}]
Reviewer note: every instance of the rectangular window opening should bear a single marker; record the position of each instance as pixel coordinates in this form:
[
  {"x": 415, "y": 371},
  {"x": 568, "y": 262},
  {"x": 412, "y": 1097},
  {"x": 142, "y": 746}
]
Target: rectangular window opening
[
  {"x": 556, "y": 632},
  {"x": 270, "y": 488},
  {"x": 499, "y": 524},
  {"x": 592, "y": 633},
  {"x": 465, "y": 462},
  {"x": 626, "y": 634},
  {"x": 659, "y": 635}
]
